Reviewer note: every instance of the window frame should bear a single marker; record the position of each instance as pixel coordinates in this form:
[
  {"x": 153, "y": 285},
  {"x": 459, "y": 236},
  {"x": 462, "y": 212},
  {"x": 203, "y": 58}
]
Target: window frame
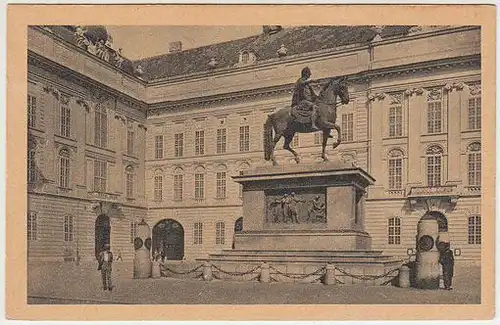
[
  {"x": 220, "y": 233},
  {"x": 32, "y": 226},
  {"x": 394, "y": 231},
  {"x": 159, "y": 146},
  {"x": 474, "y": 231},
  {"x": 68, "y": 228},
  {"x": 64, "y": 168}
]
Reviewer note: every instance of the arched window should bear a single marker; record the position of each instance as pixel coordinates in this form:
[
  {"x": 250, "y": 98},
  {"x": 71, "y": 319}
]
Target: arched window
[
  {"x": 394, "y": 231},
  {"x": 129, "y": 173},
  {"x": 31, "y": 165},
  {"x": 434, "y": 156},
  {"x": 245, "y": 57},
  {"x": 158, "y": 185},
  {"x": 474, "y": 230},
  {"x": 474, "y": 164},
  {"x": 220, "y": 178},
  {"x": 101, "y": 126},
  {"x": 64, "y": 168},
  {"x": 395, "y": 169},
  {"x": 199, "y": 183},
  {"x": 178, "y": 184}
]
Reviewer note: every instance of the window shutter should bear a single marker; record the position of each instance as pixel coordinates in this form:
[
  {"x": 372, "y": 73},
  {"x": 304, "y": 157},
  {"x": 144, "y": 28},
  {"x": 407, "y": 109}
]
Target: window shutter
[{"x": 112, "y": 178}]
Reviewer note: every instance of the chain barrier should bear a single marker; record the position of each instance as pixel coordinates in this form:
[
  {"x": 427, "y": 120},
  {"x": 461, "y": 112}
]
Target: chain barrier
[
  {"x": 297, "y": 277},
  {"x": 184, "y": 273},
  {"x": 236, "y": 273},
  {"x": 319, "y": 271}
]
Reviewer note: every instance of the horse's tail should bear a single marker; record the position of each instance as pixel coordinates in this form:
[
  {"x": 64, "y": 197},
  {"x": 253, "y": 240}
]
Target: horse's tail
[{"x": 268, "y": 138}]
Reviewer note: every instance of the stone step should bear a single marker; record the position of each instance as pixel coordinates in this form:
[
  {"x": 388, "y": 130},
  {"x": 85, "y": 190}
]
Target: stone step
[
  {"x": 301, "y": 252},
  {"x": 302, "y": 259}
]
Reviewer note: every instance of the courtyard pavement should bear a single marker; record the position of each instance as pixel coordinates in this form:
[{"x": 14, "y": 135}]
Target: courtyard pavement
[{"x": 67, "y": 283}]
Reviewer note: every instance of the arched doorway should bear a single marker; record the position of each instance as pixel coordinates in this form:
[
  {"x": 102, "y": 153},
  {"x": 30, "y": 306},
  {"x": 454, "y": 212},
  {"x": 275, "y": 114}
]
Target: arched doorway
[
  {"x": 439, "y": 217},
  {"x": 168, "y": 237},
  {"x": 238, "y": 227},
  {"x": 102, "y": 233}
]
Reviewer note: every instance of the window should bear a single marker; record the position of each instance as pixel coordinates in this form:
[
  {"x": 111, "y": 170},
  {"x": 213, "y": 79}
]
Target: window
[
  {"x": 434, "y": 156},
  {"x": 159, "y": 147},
  {"x": 220, "y": 233},
  {"x": 395, "y": 170},
  {"x": 295, "y": 141},
  {"x": 100, "y": 176},
  {"x": 32, "y": 111},
  {"x": 68, "y": 228},
  {"x": 65, "y": 118},
  {"x": 158, "y": 189},
  {"x": 133, "y": 231},
  {"x": 101, "y": 127},
  {"x": 434, "y": 117},
  {"x": 317, "y": 138},
  {"x": 395, "y": 121},
  {"x": 474, "y": 230},
  {"x": 475, "y": 113},
  {"x": 474, "y": 164},
  {"x": 199, "y": 143},
  {"x": 199, "y": 185},
  {"x": 64, "y": 168},
  {"x": 130, "y": 142},
  {"x": 179, "y": 144},
  {"x": 245, "y": 57},
  {"x": 178, "y": 185},
  {"x": 394, "y": 234},
  {"x": 221, "y": 140},
  {"x": 32, "y": 226},
  {"x": 244, "y": 138},
  {"x": 31, "y": 166},
  {"x": 129, "y": 172},
  {"x": 347, "y": 133},
  {"x": 221, "y": 185},
  {"x": 198, "y": 233}
]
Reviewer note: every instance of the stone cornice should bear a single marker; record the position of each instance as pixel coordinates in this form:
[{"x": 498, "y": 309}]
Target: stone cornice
[
  {"x": 89, "y": 83},
  {"x": 362, "y": 77}
]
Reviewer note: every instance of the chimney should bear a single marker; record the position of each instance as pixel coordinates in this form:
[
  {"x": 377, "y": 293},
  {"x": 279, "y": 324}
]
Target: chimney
[{"x": 175, "y": 47}]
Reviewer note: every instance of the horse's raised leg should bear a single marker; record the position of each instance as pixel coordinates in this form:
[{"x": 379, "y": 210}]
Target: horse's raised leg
[
  {"x": 336, "y": 144},
  {"x": 326, "y": 135},
  {"x": 286, "y": 145},
  {"x": 276, "y": 138}
]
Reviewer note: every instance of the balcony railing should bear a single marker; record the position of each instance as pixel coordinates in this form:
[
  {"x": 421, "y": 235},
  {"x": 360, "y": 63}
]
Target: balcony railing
[
  {"x": 444, "y": 190},
  {"x": 104, "y": 196}
]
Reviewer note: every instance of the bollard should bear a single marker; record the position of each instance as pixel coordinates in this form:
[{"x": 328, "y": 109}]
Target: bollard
[
  {"x": 404, "y": 276},
  {"x": 330, "y": 275},
  {"x": 264, "y": 273},
  {"x": 207, "y": 271}
]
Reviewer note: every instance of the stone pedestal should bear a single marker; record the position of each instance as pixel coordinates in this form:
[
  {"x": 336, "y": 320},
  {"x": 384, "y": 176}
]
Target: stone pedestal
[
  {"x": 319, "y": 207},
  {"x": 302, "y": 222}
]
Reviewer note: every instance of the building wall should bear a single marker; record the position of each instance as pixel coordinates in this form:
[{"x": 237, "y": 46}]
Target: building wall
[{"x": 392, "y": 74}]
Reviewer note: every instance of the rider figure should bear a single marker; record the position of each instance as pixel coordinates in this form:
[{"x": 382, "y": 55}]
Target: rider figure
[{"x": 304, "y": 95}]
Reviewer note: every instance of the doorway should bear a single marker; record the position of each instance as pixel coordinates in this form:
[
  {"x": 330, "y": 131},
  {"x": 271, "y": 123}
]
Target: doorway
[
  {"x": 168, "y": 238},
  {"x": 102, "y": 233}
]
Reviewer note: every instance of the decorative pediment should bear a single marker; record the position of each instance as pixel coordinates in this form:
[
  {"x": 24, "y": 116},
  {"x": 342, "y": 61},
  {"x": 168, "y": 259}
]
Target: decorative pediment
[
  {"x": 413, "y": 91},
  {"x": 434, "y": 94},
  {"x": 396, "y": 98},
  {"x": 475, "y": 89},
  {"x": 379, "y": 96}
]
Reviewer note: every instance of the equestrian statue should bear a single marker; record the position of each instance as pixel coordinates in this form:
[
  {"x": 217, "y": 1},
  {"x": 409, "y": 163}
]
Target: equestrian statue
[{"x": 308, "y": 113}]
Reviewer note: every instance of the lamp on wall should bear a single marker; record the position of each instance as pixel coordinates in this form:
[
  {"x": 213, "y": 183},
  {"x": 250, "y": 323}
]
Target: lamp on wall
[
  {"x": 410, "y": 251},
  {"x": 457, "y": 252}
]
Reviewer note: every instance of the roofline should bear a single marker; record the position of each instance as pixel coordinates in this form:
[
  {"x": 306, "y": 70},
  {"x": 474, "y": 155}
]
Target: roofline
[
  {"x": 165, "y": 106},
  {"x": 309, "y": 55},
  {"x": 59, "y": 39}
]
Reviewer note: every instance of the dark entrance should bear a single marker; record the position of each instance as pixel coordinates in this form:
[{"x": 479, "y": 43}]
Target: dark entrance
[
  {"x": 102, "y": 233},
  {"x": 168, "y": 237},
  {"x": 238, "y": 227},
  {"x": 439, "y": 217}
]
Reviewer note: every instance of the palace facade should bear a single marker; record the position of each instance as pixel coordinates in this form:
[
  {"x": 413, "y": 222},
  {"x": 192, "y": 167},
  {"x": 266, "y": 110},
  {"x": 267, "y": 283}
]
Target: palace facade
[{"x": 113, "y": 141}]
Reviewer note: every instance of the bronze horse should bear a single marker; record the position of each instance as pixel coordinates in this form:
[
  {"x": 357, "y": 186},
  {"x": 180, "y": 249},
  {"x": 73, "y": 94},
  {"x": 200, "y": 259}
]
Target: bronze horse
[{"x": 285, "y": 126}]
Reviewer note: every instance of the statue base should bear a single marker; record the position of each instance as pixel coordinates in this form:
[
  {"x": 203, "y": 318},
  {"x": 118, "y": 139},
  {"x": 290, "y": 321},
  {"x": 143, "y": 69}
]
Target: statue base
[{"x": 297, "y": 218}]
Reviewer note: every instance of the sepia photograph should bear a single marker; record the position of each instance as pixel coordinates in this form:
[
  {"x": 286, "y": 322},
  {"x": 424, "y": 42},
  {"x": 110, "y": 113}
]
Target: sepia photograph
[{"x": 215, "y": 164}]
